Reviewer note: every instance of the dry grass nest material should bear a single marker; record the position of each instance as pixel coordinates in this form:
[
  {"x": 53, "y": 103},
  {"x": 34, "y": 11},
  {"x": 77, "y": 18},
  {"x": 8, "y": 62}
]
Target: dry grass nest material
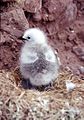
[{"x": 57, "y": 103}]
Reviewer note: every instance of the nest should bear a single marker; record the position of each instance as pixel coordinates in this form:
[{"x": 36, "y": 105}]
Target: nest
[{"x": 55, "y": 103}]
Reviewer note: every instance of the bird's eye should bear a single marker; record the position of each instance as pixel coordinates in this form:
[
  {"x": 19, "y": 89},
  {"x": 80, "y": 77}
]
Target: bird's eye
[{"x": 28, "y": 37}]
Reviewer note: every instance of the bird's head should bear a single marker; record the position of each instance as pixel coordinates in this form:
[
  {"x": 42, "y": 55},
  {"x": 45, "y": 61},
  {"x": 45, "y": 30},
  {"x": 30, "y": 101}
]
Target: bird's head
[{"x": 35, "y": 35}]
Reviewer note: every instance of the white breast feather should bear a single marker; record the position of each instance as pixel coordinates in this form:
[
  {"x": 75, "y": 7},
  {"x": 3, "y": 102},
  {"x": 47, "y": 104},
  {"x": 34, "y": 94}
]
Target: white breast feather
[{"x": 28, "y": 57}]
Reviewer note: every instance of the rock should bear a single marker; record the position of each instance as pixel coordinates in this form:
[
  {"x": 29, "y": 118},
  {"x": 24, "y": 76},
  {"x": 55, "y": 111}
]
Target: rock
[
  {"x": 80, "y": 0},
  {"x": 62, "y": 36},
  {"x": 54, "y": 7},
  {"x": 70, "y": 86},
  {"x": 37, "y": 16},
  {"x": 7, "y": 0},
  {"x": 68, "y": 46},
  {"x": 71, "y": 12},
  {"x": 81, "y": 35},
  {"x": 80, "y": 4},
  {"x": 14, "y": 22},
  {"x": 76, "y": 71},
  {"x": 81, "y": 69},
  {"x": 82, "y": 58},
  {"x": 32, "y": 6},
  {"x": 51, "y": 18},
  {"x": 4, "y": 38},
  {"x": 9, "y": 51},
  {"x": 72, "y": 36},
  {"x": 45, "y": 17},
  {"x": 62, "y": 11},
  {"x": 68, "y": 16},
  {"x": 79, "y": 51}
]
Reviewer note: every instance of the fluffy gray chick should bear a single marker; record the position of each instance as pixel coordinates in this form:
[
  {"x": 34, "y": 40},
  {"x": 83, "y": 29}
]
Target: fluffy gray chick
[{"x": 38, "y": 61}]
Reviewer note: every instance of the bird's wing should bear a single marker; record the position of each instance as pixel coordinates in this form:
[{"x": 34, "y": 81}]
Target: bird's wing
[{"x": 50, "y": 56}]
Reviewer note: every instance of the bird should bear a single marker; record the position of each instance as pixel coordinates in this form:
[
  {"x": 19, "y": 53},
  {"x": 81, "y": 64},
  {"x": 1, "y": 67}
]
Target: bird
[{"x": 39, "y": 62}]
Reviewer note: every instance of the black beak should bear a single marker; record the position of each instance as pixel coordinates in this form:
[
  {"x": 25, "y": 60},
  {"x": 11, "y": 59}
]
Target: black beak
[{"x": 21, "y": 38}]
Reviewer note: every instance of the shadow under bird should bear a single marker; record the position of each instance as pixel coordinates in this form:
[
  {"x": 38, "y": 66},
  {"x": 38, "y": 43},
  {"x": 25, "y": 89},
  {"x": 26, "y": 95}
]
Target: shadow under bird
[{"x": 38, "y": 62}]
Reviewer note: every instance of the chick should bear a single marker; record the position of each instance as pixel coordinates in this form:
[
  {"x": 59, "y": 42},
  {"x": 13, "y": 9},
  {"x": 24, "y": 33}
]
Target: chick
[{"x": 38, "y": 62}]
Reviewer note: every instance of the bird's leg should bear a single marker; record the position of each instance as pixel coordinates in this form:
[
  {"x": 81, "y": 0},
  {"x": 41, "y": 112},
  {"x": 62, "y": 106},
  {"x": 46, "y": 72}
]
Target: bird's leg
[{"x": 26, "y": 84}]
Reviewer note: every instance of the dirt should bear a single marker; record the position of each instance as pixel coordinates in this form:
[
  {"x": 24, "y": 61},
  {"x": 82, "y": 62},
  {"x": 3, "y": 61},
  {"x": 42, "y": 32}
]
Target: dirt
[{"x": 63, "y": 22}]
